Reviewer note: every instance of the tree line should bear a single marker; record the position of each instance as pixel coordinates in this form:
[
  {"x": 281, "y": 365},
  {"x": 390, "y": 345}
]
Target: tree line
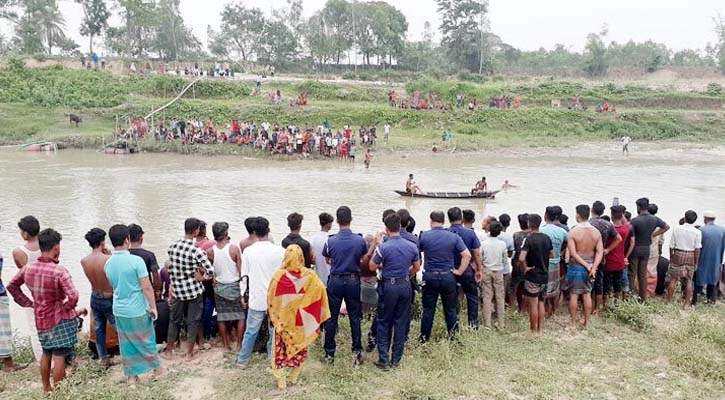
[{"x": 343, "y": 32}]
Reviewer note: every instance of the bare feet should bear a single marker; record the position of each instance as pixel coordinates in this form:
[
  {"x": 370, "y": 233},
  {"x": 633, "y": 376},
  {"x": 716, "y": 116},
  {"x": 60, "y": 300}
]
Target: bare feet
[
  {"x": 191, "y": 356},
  {"x": 168, "y": 355},
  {"x": 160, "y": 373},
  {"x": 132, "y": 380}
]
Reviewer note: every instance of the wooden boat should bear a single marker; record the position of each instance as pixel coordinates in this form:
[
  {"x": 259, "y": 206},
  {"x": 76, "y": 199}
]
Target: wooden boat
[
  {"x": 36, "y": 147},
  {"x": 450, "y": 195}
]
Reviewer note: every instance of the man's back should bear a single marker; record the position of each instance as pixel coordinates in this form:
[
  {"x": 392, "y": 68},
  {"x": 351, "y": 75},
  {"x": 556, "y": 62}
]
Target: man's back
[
  {"x": 93, "y": 265},
  {"x": 585, "y": 239},
  {"x": 259, "y": 263}
]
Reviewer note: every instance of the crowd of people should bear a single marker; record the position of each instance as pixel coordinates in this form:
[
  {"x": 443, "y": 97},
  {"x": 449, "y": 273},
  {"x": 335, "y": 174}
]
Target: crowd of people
[
  {"x": 297, "y": 288},
  {"x": 276, "y": 139}
]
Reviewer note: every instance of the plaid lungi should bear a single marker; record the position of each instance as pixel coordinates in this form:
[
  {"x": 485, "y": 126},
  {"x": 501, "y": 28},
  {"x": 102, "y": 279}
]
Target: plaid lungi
[
  {"x": 62, "y": 336},
  {"x": 228, "y": 302},
  {"x": 682, "y": 258},
  {"x": 6, "y": 331}
]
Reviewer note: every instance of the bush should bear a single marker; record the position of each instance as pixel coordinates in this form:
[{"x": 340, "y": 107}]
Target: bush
[
  {"x": 714, "y": 89},
  {"x": 639, "y": 316}
]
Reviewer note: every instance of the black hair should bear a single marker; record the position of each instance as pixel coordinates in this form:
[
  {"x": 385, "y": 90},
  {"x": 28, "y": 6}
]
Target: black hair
[
  {"x": 523, "y": 221},
  {"x": 47, "y": 239},
  {"x": 643, "y": 203},
  {"x": 95, "y": 237},
  {"x": 135, "y": 232},
  {"x": 583, "y": 211},
  {"x": 202, "y": 228},
  {"x": 261, "y": 226},
  {"x": 505, "y": 220},
  {"x": 344, "y": 215},
  {"x": 534, "y": 221},
  {"x": 387, "y": 212},
  {"x": 550, "y": 213},
  {"x": 326, "y": 219},
  {"x": 118, "y": 234},
  {"x": 606, "y": 218},
  {"x": 191, "y": 225},
  {"x": 495, "y": 229},
  {"x": 598, "y": 208},
  {"x": 653, "y": 209},
  {"x": 404, "y": 216},
  {"x": 617, "y": 212},
  {"x": 455, "y": 214},
  {"x": 690, "y": 217},
  {"x": 392, "y": 222},
  {"x": 469, "y": 216},
  {"x": 294, "y": 221},
  {"x": 558, "y": 213},
  {"x": 564, "y": 219},
  {"x": 29, "y": 225},
  {"x": 628, "y": 215},
  {"x": 249, "y": 224},
  {"x": 411, "y": 225},
  {"x": 220, "y": 230},
  {"x": 438, "y": 216}
]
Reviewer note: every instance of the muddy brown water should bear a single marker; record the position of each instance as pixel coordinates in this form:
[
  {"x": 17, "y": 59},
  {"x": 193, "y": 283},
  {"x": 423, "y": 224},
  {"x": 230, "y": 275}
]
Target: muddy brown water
[{"x": 73, "y": 190}]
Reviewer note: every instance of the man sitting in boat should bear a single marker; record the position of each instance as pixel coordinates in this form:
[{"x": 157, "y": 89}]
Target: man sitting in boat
[
  {"x": 481, "y": 187},
  {"x": 411, "y": 186}
]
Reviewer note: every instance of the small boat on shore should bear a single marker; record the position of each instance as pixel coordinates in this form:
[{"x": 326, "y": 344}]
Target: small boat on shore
[
  {"x": 36, "y": 147},
  {"x": 449, "y": 195},
  {"x": 120, "y": 150}
]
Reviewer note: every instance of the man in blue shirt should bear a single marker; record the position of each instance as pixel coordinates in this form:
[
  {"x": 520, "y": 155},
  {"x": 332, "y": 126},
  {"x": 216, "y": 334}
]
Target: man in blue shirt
[
  {"x": 472, "y": 277},
  {"x": 440, "y": 247},
  {"x": 397, "y": 259},
  {"x": 344, "y": 252}
]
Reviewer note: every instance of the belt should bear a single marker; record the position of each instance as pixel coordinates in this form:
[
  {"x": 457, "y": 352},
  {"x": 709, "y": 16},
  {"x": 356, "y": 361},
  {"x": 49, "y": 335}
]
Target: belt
[
  {"x": 394, "y": 281},
  {"x": 103, "y": 295},
  {"x": 347, "y": 275},
  {"x": 438, "y": 272}
]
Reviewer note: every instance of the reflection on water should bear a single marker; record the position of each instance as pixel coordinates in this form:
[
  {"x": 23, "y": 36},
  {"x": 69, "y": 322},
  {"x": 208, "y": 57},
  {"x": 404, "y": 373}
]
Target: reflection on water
[{"x": 73, "y": 191}]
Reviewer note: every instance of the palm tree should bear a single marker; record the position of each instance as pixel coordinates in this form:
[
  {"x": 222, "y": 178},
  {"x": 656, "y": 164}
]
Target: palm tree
[{"x": 46, "y": 16}]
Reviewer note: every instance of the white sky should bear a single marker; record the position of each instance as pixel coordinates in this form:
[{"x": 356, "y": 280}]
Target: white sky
[{"x": 526, "y": 24}]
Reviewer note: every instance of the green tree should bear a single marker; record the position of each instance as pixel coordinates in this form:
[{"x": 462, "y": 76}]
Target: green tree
[
  {"x": 95, "y": 19},
  {"x": 45, "y": 18},
  {"x": 8, "y": 10},
  {"x": 595, "y": 55},
  {"x": 467, "y": 42},
  {"x": 135, "y": 36},
  {"x": 277, "y": 45},
  {"x": 171, "y": 37},
  {"x": 337, "y": 21},
  {"x": 243, "y": 29},
  {"x": 720, "y": 46},
  {"x": 317, "y": 40}
]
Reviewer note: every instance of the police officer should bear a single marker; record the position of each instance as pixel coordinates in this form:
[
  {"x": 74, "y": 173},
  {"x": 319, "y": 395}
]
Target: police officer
[
  {"x": 472, "y": 277},
  {"x": 344, "y": 252},
  {"x": 397, "y": 259},
  {"x": 439, "y": 247}
]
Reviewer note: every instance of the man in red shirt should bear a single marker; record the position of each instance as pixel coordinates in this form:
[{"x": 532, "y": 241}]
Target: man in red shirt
[
  {"x": 54, "y": 301},
  {"x": 616, "y": 261}
]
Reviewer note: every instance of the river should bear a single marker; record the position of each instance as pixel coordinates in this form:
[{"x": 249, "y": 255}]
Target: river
[{"x": 73, "y": 190}]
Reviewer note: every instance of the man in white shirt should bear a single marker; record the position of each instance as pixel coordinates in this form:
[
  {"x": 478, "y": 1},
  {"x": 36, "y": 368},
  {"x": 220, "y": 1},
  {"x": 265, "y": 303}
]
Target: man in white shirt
[
  {"x": 685, "y": 245},
  {"x": 387, "y": 131},
  {"x": 259, "y": 262},
  {"x": 317, "y": 241},
  {"x": 495, "y": 258}
]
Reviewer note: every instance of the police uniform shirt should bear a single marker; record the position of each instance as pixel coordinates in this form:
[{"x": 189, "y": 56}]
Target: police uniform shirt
[
  {"x": 345, "y": 249},
  {"x": 396, "y": 256}
]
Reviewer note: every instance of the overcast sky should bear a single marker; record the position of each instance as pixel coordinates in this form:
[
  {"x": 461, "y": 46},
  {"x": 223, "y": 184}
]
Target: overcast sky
[{"x": 526, "y": 24}]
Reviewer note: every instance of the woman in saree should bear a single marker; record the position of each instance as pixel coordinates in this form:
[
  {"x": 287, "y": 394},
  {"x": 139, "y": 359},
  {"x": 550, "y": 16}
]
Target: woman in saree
[{"x": 297, "y": 302}]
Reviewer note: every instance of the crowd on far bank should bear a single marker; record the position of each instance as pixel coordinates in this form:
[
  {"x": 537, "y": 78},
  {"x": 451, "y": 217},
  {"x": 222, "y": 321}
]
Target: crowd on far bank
[
  {"x": 273, "y": 138},
  {"x": 286, "y": 294}
]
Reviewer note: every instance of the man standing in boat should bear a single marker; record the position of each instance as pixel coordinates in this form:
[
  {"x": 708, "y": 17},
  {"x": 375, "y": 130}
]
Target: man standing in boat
[
  {"x": 481, "y": 187},
  {"x": 411, "y": 186}
]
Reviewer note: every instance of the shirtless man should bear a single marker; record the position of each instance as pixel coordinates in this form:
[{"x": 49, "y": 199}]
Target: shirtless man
[
  {"x": 585, "y": 251},
  {"x": 481, "y": 186},
  {"x": 24, "y": 255},
  {"x": 411, "y": 186},
  {"x": 369, "y": 157},
  {"x": 101, "y": 290},
  {"x": 506, "y": 185},
  {"x": 251, "y": 237}
]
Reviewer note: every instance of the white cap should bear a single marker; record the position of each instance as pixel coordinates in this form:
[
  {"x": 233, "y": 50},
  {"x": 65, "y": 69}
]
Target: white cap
[{"x": 709, "y": 215}]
